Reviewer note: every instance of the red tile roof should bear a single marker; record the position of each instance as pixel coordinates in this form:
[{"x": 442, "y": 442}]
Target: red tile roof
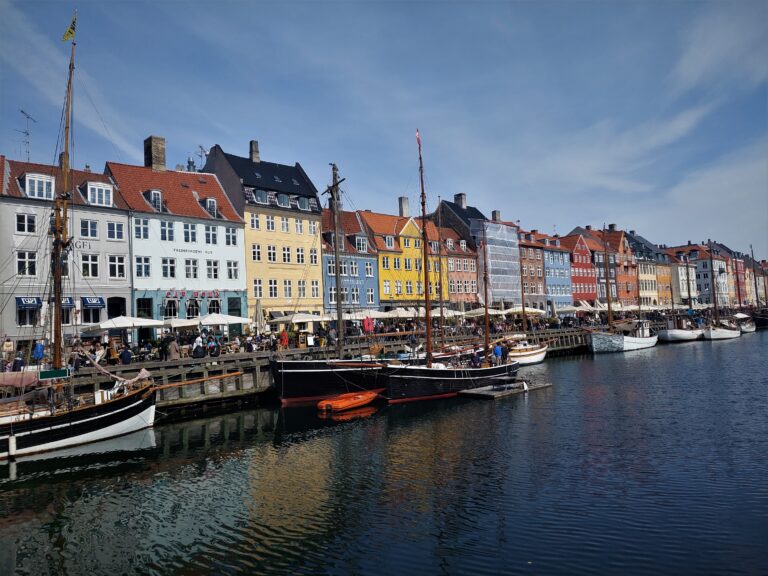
[
  {"x": 351, "y": 227},
  {"x": 381, "y": 225},
  {"x": 183, "y": 192},
  {"x": 78, "y": 179},
  {"x": 572, "y": 240}
]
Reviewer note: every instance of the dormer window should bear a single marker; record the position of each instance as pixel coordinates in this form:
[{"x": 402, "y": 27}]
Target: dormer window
[
  {"x": 449, "y": 243},
  {"x": 39, "y": 186},
  {"x": 361, "y": 244},
  {"x": 389, "y": 242},
  {"x": 99, "y": 194},
  {"x": 277, "y": 179},
  {"x": 463, "y": 245},
  {"x": 261, "y": 196},
  {"x": 283, "y": 200},
  {"x": 210, "y": 206},
  {"x": 156, "y": 199},
  {"x": 435, "y": 246},
  {"x": 303, "y": 203},
  {"x": 258, "y": 176}
]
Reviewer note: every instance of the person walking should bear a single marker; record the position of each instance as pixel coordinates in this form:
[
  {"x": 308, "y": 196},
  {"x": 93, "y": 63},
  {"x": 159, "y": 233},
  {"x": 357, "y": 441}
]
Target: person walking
[
  {"x": 8, "y": 350},
  {"x": 174, "y": 352},
  {"x": 126, "y": 356},
  {"x": 283, "y": 339},
  {"x": 38, "y": 352}
]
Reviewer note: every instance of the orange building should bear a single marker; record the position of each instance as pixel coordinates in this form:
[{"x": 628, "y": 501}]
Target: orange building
[{"x": 626, "y": 264}]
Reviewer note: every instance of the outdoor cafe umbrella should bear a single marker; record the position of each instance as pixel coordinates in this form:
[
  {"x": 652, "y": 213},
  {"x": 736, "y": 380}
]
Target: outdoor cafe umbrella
[
  {"x": 123, "y": 323},
  {"x": 519, "y": 310},
  {"x": 477, "y": 312},
  {"x": 298, "y": 318},
  {"x": 181, "y": 322},
  {"x": 222, "y": 319}
]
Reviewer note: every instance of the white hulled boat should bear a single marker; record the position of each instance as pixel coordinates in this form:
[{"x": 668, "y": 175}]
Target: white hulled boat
[
  {"x": 635, "y": 337},
  {"x": 714, "y": 333},
  {"x": 685, "y": 333}
]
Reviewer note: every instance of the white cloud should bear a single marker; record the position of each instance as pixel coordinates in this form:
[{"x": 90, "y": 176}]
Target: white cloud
[{"x": 726, "y": 45}]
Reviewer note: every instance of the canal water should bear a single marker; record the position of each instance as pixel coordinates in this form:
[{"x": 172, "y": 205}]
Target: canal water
[{"x": 652, "y": 462}]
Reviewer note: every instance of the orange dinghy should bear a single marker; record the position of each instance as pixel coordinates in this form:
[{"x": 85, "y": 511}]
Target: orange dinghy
[{"x": 346, "y": 401}]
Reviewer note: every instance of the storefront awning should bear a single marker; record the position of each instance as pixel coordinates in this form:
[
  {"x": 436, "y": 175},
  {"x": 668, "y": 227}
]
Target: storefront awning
[
  {"x": 93, "y": 302},
  {"x": 275, "y": 314},
  {"x": 28, "y": 302},
  {"x": 67, "y": 302}
]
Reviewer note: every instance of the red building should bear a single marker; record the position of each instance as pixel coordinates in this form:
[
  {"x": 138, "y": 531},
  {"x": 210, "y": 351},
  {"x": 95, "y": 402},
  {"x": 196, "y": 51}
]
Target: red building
[
  {"x": 583, "y": 272},
  {"x": 626, "y": 264}
]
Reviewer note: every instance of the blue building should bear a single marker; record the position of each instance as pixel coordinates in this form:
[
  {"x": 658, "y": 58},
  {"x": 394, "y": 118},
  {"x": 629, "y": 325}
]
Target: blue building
[
  {"x": 557, "y": 271},
  {"x": 359, "y": 269}
]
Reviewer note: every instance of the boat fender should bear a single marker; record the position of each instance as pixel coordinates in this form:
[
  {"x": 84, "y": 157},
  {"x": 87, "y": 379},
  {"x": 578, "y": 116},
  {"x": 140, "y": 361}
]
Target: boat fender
[{"x": 525, "y": 385}]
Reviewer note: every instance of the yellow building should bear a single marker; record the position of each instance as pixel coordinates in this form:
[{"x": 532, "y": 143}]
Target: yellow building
[
  {"x": 663, "y": 285},
  {"x": 400, "y": 256},
  {"x": 282, "y": 213},
  {"x": 647, "y": 282}
]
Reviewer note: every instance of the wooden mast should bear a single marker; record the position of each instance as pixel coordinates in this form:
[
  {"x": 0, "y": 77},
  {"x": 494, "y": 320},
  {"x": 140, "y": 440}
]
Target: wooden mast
[
  {"x": 338, "y": 238},
  {"x": 713, "y": 290},
  {"x": 485, "y": 298},
  {"x": 607, "y": 279},
  {"x": 522, "y": 289},
  {"x": 60, "y": 226},
  {"x": 754, "y": 277},
  {"x": 440, "y": 270},
  {"x": 425, "y": 255},
  {"x": 688, "y": 281}
]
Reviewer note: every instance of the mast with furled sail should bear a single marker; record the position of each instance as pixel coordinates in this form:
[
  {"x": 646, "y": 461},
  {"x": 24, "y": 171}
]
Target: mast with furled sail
[{"x": 425, "y": 255}]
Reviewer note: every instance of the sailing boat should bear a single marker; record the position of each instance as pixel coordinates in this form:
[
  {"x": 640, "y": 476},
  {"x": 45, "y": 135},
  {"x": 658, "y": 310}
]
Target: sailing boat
[
  {"x": 44, "y": 414},
  {"x": 436, "y": 379},
  {"x": 681, "y": 329},
  {"x": 716, "y": 331},
  {"x": 621, "y": 336}
]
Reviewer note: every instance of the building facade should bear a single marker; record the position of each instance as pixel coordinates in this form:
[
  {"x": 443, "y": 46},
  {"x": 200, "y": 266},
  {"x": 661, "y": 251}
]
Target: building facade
[
  {"x": 499, "y": 249},
  {"x": 532, "y": 270},
  {"x": 583, "y": 273},
  {"x": 626, "y": 264},
  {"x": 460, "y": 269}
]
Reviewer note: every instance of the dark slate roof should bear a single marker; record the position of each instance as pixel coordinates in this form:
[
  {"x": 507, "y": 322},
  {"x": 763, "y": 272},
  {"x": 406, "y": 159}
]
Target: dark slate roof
[
  {"x": 271, "y": 176},
  {"x": 466, "y": 214},
  {"x": 643, "y": 246}
]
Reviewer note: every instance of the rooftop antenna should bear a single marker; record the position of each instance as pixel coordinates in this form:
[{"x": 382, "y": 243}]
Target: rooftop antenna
[
  {"x": 201, "y": 153},
  {"x": 26, "y": 131}
]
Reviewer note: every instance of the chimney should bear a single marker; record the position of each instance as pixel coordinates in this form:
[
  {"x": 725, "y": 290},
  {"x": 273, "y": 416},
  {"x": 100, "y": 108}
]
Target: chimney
[
  {"x": 404, "y": 209},
  {"x": 461, "y": 200},
  {"x": 535, "y": 231},
  {"x": 496, "y": 215},
  {"x": 154, "y": 153},
  {"x": 254, "y": 155},
  {"x": 689, "y": 242},
  {"x": 191, "y": 165},
  {"x": 612, "y": 227},
  {"x": 589, "y": 227},
  {"x": 632, "y": 232},
  {"x": 87, "y": 168}
]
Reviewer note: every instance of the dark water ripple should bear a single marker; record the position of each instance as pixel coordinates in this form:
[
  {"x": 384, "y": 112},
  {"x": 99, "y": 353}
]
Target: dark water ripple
[{"x": 645, "y": 463}]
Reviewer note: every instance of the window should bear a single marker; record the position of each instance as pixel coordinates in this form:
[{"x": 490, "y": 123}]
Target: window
[
  {"x": 332, "y": 295},
  {"x": 369, "y": 297},
  {"x": 303, "y": 203},
  {"x": 287, "y": 289},
  {"x": 315, "y": 288},
  {"x": 355, "y": 295},
  {"x": 406, "y": 242},
  {"x": 141, "y": 228},
  {"x": 100, "y": 194},
  {"x": 168, "y": 266},
  {"x": 313, "y": 256},
  {"x": 466, "y": 264},
  {"x": 190, "y": 233},
  {"x": 299, "y": 225},
  {"x": 419, "y": 288},
  {"x": 287, "y": 254},
  {"x": 212, "y": 269},
  {"x": 193, "y": 308},
  {"x": 89, "y": 265},
  {"x": 210, "y": 206},
  {"x": 417, "y": 243},
  {"x": 343, "y": 268},
  {"x": 434, "y": 246},
  {"x": 39, "y": 186},
  {"x": 258, "y": 291},
  {"x": 463, "y": 245},
  {"x": 312, "y": 227},
  {"x": 156, "y": 200},
  {"x": 26, "y": 223},
  {"x": 418, "y": 264},
  {"x": 115, "y": 231},
  {"x": 27, "y": 317},
  {"x": 255, "y": 222},
  {"x": 299, "y": 255},
  {"x": 282, "y": 199},
  {"x": 385, "y": 262},
  {"x": 472, "y": 265},
  {"x": 171, "y": 309},
  {"x": 396, "y": 263},
  {"x": 284, "y": 224},
  {"x": 142, "y": 267},
  {"x": 353, "y": 269},
  {"x": 361, "y": 244},
  {"x": 452, "y": 286},
  {"x": 116, "y": 266},
  {"x": 344, "y": 295},
  {"x": 398, "y": 287},
  {"x": 273, "y": 288},
  {"x": 214, "y": 307},
  {"x": 408, "y": 263},
  {"x": 271, "y": 254},
  {"x": 211, "y": 234},
  {"x": 230, "y": 236},
  {"x": 261, "y": 196},
  {"x": 270, "y": 223},
  {"x": 89, "y": 229},
  {"x": 233, "y": 272},
  {"x": 408, "y": 287},
  {"x": 330, "y": 266},
  {"x": 26, "y": 263},
  {"x": 256, "y": 252},
  {"x": 369, "y": 270},
  {"x": 166, "y": 231},
  {"x": 301, "y": 285},
  {"x": 389, "y": 242},
  {"x": 387, "y": 287},
  {"x": 466, "y": 287},
  {"x": 449, "y": 243},
  {"x": 190, "y": 268}
]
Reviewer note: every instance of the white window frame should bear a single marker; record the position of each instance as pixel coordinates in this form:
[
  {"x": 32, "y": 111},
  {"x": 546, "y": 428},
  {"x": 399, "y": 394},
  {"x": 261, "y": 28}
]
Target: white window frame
[
  {"x": 93, "y": 227},
  {"x": 23, "y": 221},
  {"x": 118, "y": 262},
  {"x": 143, "y": 266},
  {"x": 118, "y": 231},
  {"x": 47, "y": 185},
  {"x": 190, "y": 268},
  {"x": 95, "y": 190},
  {"x": 190, "y": 233},
  {"x": 168, "y": 267}
]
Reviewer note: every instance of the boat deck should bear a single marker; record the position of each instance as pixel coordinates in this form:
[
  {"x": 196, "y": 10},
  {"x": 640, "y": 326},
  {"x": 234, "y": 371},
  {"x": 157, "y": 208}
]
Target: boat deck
[{"x": 503, "y": 390}]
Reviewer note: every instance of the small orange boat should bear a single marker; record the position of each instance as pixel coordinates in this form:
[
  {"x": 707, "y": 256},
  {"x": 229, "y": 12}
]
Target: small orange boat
[
  {"x": 347, "y": 401},
  {"x": 349, "y": 415}
]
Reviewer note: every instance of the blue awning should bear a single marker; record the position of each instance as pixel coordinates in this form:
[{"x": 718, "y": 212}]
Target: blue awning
[
  {"x": 28, "y": 302},
  {"x": 67, "y": 302},
  {"x": 93, "y": 302}
]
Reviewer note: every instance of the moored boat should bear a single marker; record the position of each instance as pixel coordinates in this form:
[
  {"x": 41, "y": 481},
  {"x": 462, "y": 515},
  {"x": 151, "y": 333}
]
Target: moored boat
[
  {"x": 347, "y": 401},
  {"x": 680, "y": 334},
  {"x": 526, "y": 354},
  {"x": 713, "y": 333},
  {"x": 635, "y": 335}
]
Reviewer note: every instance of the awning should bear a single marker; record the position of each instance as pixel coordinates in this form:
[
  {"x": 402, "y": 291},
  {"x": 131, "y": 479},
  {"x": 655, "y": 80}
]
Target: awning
[
  {"x": 275, "y": 314},
  {"x": 93, "y": 302},
  {"x": 67, "y": 302},
  {"x": 28, "y": 302}
]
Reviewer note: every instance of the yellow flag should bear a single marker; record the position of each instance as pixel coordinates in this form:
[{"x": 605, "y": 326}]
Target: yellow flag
[{"x": 70, "y": 33}]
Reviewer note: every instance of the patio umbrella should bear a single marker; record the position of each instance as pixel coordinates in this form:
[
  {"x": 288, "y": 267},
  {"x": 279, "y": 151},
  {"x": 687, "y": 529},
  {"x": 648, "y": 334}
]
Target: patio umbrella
[
  {"x": 298, "y": 318},
  {"x": 181, "y": 322},
  {"x": 123, "y": 322},
  {"x": 528, "y": 310},
  {"x": 477, "y": 312},
  {"x": 222, "y": 319},
  {"x": 259, "y": 317}
]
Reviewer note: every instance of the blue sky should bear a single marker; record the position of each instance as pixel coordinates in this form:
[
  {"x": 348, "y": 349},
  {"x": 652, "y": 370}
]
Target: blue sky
[{"x": 652, "y": 115}]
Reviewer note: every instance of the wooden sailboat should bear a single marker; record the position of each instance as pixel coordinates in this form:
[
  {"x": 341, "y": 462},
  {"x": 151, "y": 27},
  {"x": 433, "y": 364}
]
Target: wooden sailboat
[
  {"x": 621, "y": 336},
  {"x": 43, "y": 414},
  {"x": 715, "y": 331},
  {"x": 680, "y": 329}
]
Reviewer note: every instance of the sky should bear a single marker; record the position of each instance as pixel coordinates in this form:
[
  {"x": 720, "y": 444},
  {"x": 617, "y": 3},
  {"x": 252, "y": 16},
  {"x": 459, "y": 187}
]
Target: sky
[{"x": 650, "y": 115}]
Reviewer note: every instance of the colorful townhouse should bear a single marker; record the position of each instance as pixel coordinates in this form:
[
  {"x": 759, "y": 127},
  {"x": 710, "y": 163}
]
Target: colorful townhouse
[
  {"x": 283, "y": 236},
  {"x": 358, "y": 269},
  {"x": 532, "y": 271},
  {"x": 186, "y": 240},
  {"x": 626, "y": 264},
  {"x": 557, "y": 271},
  {"x": 600, "y": 250},
  {"x": 654, "y": 272},
  {"x": 583, "y": 272},
  {"x": 737, "y": 279},
  {"x": 699, "y": 254},
  {"x": 459, "y": 266},
  {"x": 683, "y": 272},
  {"x": 96, "y": 281}
]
